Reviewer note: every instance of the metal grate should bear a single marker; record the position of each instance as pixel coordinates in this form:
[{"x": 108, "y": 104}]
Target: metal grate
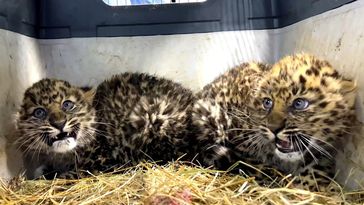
[{"x": 146, "y": 2}]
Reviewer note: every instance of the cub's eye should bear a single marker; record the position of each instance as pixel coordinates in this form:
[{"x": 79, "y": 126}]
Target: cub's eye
[
  {"x": 267, "y": 103},
  {"x": 300, "y": 104},
  {"x": 68, "y": 105},
  {"x": 40, "y": 113}
]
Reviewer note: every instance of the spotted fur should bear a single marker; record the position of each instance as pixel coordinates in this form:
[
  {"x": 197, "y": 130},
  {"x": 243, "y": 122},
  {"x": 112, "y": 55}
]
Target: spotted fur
[
  {"x": 303, "y": 141},
  {"x": 128, "y": 118},
  {"x": 219, "y": 114},
  {"x": 44, "y": 140},
  {"x": 306, "y": 138}
]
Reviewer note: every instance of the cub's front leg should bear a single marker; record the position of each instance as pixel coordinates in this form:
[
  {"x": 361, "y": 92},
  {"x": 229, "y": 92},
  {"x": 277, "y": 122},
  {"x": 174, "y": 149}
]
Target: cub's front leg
[{"x": 317, "y": 178}]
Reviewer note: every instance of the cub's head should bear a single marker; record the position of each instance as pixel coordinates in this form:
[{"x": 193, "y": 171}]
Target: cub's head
[
  {"x": 301, "y": 110},
  {"x": 55, "y": 117}
]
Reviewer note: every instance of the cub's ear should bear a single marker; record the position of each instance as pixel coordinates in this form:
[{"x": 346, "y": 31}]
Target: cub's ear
[
  {"x": 88, "y": 93},
  {"x": 348, "y": 86},
  {"x": 348, "y": 90}
]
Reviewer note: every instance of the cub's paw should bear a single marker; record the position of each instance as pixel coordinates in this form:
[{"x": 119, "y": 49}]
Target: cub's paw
[{"x": 316, "y": 181}]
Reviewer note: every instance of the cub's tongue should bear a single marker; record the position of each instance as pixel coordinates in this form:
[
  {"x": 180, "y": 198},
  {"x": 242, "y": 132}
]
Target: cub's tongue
[{"x": 284, "y": 146}]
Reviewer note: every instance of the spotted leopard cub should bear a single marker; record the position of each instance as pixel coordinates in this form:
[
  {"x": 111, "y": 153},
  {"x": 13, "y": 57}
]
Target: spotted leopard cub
[
  {"x": 220, "y": 113},
  {"x": 304, "y": 113},
  {"x": 292, "y": 117},
  {"x": 55, "y": 120},
  {"x": 128, "y": 118}
]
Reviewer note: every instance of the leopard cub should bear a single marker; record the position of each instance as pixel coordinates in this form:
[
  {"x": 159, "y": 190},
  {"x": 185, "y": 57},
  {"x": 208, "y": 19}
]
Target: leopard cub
[
  {"x": 220, "y": 118},
  {"x": 292, "y": 116},
  {"x": 126, "y": 119},
  {"x": 308, "y": 109}
]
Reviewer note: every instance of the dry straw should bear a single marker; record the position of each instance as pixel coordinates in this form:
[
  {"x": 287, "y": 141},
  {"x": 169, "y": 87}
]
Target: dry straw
[{"x": 173, "y": 184}]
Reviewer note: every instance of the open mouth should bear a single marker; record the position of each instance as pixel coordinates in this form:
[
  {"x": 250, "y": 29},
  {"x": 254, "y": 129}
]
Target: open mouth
[
  {"x": 63, "y": 136},
  {"x": 285, "y": 146}
]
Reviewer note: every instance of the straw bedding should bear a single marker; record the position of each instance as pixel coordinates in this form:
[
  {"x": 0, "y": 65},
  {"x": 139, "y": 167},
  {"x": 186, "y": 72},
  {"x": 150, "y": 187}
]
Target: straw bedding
[{"x": 173, "y": 184}]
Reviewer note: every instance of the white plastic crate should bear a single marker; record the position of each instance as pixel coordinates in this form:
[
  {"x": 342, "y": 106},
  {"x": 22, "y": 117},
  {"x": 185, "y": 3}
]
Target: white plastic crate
[{"x": 191, "y": 59}]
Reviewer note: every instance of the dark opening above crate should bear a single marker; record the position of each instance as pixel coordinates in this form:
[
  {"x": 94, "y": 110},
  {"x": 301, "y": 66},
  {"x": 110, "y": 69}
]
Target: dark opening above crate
[{"x": 49, "y": 19}]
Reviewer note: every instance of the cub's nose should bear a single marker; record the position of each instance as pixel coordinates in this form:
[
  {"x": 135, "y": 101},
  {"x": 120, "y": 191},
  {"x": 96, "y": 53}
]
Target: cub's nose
[
  {"x": 59, "y": 125},
  {"x": 276, "y": 128},
  {"x": 276, "y": 122},
  {"x": 57, "y": 120}
]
